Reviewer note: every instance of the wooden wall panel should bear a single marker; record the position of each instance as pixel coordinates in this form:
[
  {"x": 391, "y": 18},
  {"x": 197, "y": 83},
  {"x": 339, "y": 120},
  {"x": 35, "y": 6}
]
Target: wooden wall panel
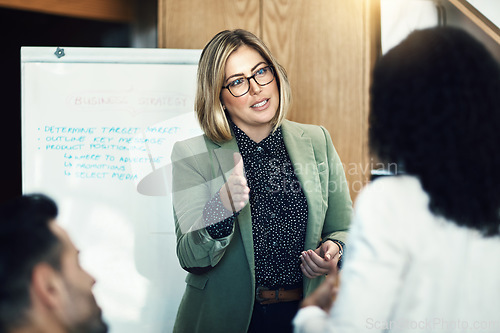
[
  {"x": 326, "y": 47},
  {"x": 190, "y": 24},
  {"x": 106, "y": 10}
]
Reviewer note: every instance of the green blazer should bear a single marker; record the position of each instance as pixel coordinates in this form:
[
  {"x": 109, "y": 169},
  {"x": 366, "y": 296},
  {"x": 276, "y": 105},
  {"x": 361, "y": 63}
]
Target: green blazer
[{"x": 220, "y": 296}]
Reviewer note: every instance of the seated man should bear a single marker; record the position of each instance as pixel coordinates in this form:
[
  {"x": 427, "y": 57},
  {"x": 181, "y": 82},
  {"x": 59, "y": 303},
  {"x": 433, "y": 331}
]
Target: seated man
[{"x": 42, "y": 286}]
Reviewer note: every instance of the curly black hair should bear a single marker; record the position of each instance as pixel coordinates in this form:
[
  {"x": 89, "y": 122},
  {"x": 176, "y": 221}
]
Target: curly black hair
[{"x": 435, "y": 109}]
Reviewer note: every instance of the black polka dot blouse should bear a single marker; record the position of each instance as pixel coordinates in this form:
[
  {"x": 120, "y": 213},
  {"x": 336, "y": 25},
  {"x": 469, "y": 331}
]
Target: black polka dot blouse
[{"x": 278, "y": 208}]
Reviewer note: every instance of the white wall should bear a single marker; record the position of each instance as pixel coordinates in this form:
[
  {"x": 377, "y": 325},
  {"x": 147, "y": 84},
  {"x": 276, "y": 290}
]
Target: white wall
[
  {"x": 400, "y": 17},
  {"x": 489, "y": 8}
]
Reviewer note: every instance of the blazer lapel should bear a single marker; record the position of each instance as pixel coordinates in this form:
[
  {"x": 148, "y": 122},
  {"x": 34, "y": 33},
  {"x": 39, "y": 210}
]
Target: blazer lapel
[
  {"x": 301, "y": 152},
  {"x": 224, "y": 156}
]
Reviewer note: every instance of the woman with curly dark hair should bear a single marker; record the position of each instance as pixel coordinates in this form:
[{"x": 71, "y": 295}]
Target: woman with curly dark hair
[{"x": 424, "y": 245}]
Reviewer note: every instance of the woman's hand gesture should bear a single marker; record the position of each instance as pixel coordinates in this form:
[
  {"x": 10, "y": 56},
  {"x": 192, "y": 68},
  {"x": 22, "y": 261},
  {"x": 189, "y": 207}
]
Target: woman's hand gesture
[{"x": 235, "y": 192}]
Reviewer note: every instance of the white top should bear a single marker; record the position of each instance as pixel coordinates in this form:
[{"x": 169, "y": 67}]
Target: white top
[{"x": 407, "y": 270}]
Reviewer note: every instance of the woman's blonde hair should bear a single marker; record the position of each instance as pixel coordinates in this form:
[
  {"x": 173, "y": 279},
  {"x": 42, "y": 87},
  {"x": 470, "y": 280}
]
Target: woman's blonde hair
[{"x": 211, "y": 73}]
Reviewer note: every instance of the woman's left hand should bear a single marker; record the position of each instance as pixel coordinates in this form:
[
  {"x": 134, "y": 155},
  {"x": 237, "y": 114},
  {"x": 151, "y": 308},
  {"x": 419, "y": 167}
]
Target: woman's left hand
[{"x": 319, "y": 262}]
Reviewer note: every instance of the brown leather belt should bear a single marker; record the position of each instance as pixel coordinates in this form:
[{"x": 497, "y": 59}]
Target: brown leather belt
[{"x": 264, "y": 295}]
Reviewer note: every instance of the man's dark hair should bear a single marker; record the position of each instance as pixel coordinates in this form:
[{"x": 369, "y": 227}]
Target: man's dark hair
[
  {"x": 25, "y": 241},
  {"x": 435, "y": 109}
]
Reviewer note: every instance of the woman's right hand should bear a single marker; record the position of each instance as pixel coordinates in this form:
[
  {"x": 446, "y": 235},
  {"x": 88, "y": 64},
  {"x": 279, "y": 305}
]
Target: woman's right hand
[
  {"x": 235, "y": 190},
  {"x": 325, "y": 294}
]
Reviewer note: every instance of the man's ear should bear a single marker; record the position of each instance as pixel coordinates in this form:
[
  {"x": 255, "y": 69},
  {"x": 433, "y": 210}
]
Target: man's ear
[{"x": 47, "y": 285}]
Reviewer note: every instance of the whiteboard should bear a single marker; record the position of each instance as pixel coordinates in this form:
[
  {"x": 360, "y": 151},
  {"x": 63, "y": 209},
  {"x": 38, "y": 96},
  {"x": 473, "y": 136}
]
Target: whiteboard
[{"x": 98, "y": 125}]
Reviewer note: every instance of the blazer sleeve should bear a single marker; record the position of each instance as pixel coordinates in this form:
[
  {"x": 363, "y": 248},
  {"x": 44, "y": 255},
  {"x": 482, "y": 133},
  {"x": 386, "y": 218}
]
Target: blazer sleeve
[
  {"x": 339, "y": 210},
  {"x": 193, "y": 185}
]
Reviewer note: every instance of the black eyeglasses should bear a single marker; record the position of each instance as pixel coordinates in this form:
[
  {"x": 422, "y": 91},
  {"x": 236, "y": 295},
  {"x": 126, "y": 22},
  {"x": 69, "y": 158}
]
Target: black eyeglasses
[{"x": 241, "y": 85}]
